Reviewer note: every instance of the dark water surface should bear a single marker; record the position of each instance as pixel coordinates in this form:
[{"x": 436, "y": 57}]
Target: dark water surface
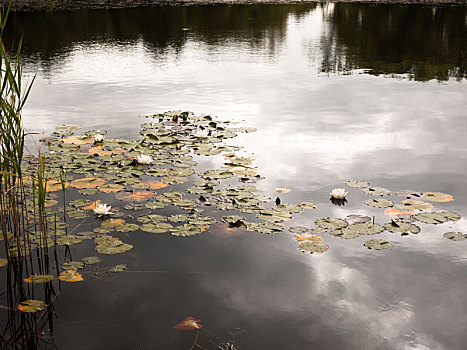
[{"x": 337, "y": 92}]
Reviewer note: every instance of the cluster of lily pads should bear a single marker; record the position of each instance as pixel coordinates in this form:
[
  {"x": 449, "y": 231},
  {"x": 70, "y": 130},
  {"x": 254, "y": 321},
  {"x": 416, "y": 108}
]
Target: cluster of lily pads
[{"x": 404, "y": 217}]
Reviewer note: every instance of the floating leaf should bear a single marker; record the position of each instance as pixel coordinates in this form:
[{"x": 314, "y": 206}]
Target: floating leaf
[
  {"x": 437, "y": 197},
  {"x": 264, "y": 227},
  {"x": 377, "y": 191},
  {"x": 189, "y": 324},
  {"x": 73, "y": 265},
  {"x": 112, "y": 222},
  {"x": 393, "y": 212},
  {"x": 357, "y": 184},
  {"x": 404, "y": 228},
  {"x": 111, "y": 188},
  {"x": 354, "y": 219},
  {"x": 331, "y": 223},
  {"x": 455, "y": 236},
  {"x": 308, "y": 247},
  {"x": 118, "y": 268},
  {"x": 127, "y": 227},
  {"x": 136, "y": 196},
  {"x": 450, "y": 215},
  {"x": 377, "y": 244},
  {"x": 178, "y": 218},
  {"x": 77, "y": 140},
  {"x": 412, "y": 204},
  {"x": 233, "y": 219},
  {"x": 408, "y": 193},
  {"x": 346, "y": 234},
  {"x": 39, "y": 279},
  {"x": 90, "y": 260},
  {"x": 307, "y": 205},
  {"x": 298, "y": 229},
  {"x": 54, "y": 185},
  {"x": 87, "y": 182},
  {"x": 152, "y": 218},
  {"x": 70, "y": 276},
  {"x": 431, "y": 218},
  {"x": 282, "y": 190},
  {"x": 31, "y": 306},
  {"x": 185, "y": 230},
  {"x": 379, "y": 203},
  {"x": 3, "y": 262},
  {"x": 113, "y": 247},
  {"x": 159, "y": 227},
  {"x": 68, "y": 240},
  {"x": 309, "y": 238}
]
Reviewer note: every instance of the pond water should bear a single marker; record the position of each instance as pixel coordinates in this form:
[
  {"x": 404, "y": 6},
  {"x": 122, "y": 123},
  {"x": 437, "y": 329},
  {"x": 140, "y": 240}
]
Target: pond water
[{"x": 336, "y": 92}]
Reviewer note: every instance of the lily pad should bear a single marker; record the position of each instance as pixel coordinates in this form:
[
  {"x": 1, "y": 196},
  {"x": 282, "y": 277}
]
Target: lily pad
[
  {"x": 307, "y": 205},
  {"x": 298, "y": 229},
  {"x": 73, "y": 265},
  {"x": 308, "y": 247},
  {"x": 431, "y": 218},
  {"x": 377, "y": 244},
  {"x": 111, "y": 188},
  {"x": 116, "y": 247},
  {"x": 178, "y": 218},
  {"x": 455, "y": 236},
  {"x": 90, "y": 260},
  {"x": 3, "y": 262},
  {"x": 31, "y": 306},
  {"x": 68, "y": 240},
  {"x": 377, "y": 191},
  {"x": 118, "y": 268},
  {"x": 112, "y": 222},
  {"x": 309, "y": 238},
  {"x": 404, "y": 228},
  {"x": 331, "y": 223},
  {"x": 39, "y": 279},
  {"x": 357, "y": 184},
  {"x": 127, "y": 227},
  {"x": 413, "y": 204},
  {"x": 264, "y": 227},
  {"x": 437, "y": 197},
  {"x": 185, "y": 230},
  {"x": 379, "y": 203},
  {"x": 394, "y": 213},
  {"x": 158, "y": 227},
  {"x": 70, "y": 276},
  {"x": 136, "y": 196},
  {"x": 87, "y": 182},
  {"x": 282, "y": 190}
]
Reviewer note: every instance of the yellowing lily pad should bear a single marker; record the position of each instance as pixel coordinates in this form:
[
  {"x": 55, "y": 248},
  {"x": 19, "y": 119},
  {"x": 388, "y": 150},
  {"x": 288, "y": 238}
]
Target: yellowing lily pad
[
  {"x": 31, "y": 306},
  {"x": 70, "y": 276},
  {"x": 87, "y": 182},
  {"x": 77, "y": 140},
  {"x": 3, "y": 262},
  {"x": 54, "y": 185},
  {"x": 393, "y": 212},
  {"x": 38, "y": 278},
  {"x": 309, "y": 238},
  {"x": 112, "y": 222},
  {"x": 136, "y": 196},
  {"x": 437, "y": 197}
]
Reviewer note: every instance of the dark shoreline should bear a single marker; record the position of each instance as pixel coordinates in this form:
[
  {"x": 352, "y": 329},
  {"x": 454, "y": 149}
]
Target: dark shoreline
[{"x": 60, "y": 5}]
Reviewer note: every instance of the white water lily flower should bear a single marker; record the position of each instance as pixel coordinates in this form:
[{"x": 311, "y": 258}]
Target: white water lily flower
[
  {"x": 338, "y": 193},
  {"x": 144, "y": 159},
  {"x": 99, "y": 138},
  {"x": 102, "y": 209}
]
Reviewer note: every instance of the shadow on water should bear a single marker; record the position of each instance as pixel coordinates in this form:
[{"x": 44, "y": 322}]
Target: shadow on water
[{"x": 424, "y": 42}]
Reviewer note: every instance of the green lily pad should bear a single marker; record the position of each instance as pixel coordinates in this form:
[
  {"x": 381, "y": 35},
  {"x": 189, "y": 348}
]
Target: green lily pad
[
  {"x": 264, "y": 227},
  {"x": 39, "y": 279},
  {"x": 73, "y": 265},
  {"x": 185, "y": 230},
  {"x": 274, "y": 216},
  {"x": 379, "y": 203},
  {"x": 178, "y": 218},
  {"x": 344, "y": 233},
  {"x": 431, "y": 218},
  {"x": 298, "y": 229},
  {"x": 307, "y": 205},
  {"x": 127, "y": 228},
  {"x": 413, "y": 204},
  {"x": 152, "y": 218},
  {"x": 159, "y": 227},
  {"x": 357, "y": 184},
  {"x": 331, "y": 223},
  {"x": 201, "y": 220},
  {"x": 317, "y": 230},
  {"x": 118, "y": 268},
  {"x": 377, "y": 244},
  {"x": 233, "y": 219},
  {"x": 90, "y": 260},
  {"x": 155, "y": 205},
  {"x": 31, "y": 306},
  {"x": 376, "y": 191},
  {"x": 455, "y": 236},
  {"x": 450, "y": 215},
  {"x": 113, "y": 248},
  {"x": 80, "y": 202},
  {"x": 68, "y": 240},
  {"x": 404, "y": 228},
  {"x": 216, "y": 174},
  {"x": 308, "y": 247}
]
